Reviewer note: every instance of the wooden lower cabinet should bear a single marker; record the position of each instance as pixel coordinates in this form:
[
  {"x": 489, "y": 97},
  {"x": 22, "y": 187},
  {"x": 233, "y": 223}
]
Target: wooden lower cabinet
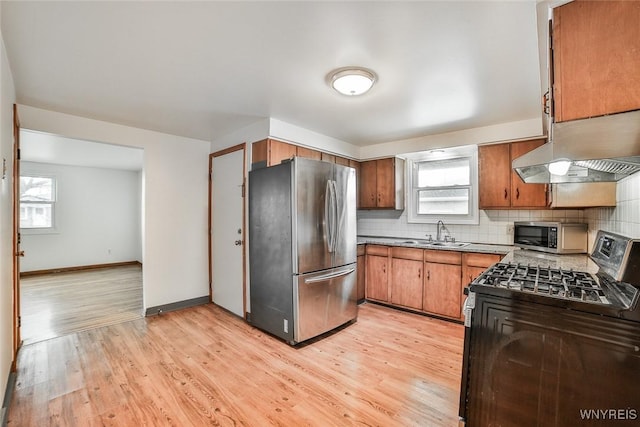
[
  {"x": 360, "y": 266},
  {"x": 428, "y": 280},
  {"x": 407, "y": 278},
  {"x": 442, "y": 283},
  {"x": 473, "y": 265},
  {"x": 377, "y": 273}
]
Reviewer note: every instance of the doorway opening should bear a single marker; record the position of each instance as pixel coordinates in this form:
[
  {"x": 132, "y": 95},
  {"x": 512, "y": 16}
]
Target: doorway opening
[{"x": 81, "y": 233}]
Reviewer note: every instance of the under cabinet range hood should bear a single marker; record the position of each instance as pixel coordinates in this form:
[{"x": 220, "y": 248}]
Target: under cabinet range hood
[{"x": 599, "y": 149}]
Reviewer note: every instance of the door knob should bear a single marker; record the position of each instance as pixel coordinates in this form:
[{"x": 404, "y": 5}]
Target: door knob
[{"x": 238, "y": 242}]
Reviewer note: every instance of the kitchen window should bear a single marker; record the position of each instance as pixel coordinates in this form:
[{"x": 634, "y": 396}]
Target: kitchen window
[
  {"x": 37, "y": 202},
  {"x": 443, "y": 185}
]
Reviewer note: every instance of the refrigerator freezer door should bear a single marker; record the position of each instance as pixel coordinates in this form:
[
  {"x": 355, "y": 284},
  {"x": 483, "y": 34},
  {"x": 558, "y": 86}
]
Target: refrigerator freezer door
[
  {"x": 324, "y": 300},
  {"x": 312, "y": 215},
  {"x": 346, "y": 244}
]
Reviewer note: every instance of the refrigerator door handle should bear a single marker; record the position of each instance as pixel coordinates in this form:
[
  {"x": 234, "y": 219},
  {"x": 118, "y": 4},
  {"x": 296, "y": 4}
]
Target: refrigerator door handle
[
  {"x": 328, "y": 216},
  {"x": 335, "y": 233},
  {"x": 330, "y": 276}
]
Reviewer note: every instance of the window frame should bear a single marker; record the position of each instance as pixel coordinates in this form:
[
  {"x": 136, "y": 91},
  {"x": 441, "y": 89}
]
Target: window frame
[
  {"x": 41, "y": 230},
  {"x": 412, "y": 191}
]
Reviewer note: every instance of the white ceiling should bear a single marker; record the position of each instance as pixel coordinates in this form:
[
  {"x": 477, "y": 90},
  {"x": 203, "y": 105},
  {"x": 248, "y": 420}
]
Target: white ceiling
[
  {"x": 205, "y": 69},
  {"x": 46, "y": 148}
]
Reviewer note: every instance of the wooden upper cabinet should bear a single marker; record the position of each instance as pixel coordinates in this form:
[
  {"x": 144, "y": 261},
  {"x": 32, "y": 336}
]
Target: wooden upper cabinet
[
  {"x": 596, "y": 58},
  {"x": 309, "y": 153},
  {"x": 271, "y": 152},
  {"x": 379, "y": 184},
  {"x": 385, "y": 185},
  {"x": 499, "y": 186},
  {"x": 279, "y": 151},
  {"x": 368, "y": 182},
  {"x": 342, "y": 161},
  {"x": 526, "y": 195},
  {"x": 326, "y": 157},
  {"x": 494, "y": 175}
]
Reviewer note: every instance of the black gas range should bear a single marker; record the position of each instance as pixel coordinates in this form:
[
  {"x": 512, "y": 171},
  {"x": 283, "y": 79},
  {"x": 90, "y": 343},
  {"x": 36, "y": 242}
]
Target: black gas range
[{"x": 546, "y": 346}]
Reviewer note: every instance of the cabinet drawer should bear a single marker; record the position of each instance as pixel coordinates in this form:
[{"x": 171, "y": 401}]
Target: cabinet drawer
[
  {"x": 377, "y": 250},
  {"x": 481, "y": 260},
  {"x": 443, "y": 257},
  {"x": 407, "y": 253}
]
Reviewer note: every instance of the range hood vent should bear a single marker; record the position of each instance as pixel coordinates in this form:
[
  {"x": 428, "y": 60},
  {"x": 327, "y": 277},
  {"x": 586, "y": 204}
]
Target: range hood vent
[{"x": 605, "y": 148}]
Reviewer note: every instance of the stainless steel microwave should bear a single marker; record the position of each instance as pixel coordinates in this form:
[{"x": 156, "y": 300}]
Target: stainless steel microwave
[{"x": 553, "y": 237}]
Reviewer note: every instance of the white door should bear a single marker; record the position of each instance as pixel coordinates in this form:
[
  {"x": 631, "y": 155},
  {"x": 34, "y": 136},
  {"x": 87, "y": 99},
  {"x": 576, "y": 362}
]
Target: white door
[{"x": 227, "y": 230}]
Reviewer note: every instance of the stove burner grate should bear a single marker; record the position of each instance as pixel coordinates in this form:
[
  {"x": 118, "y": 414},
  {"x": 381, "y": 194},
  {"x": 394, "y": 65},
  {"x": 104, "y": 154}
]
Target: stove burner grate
[{"x": 558, "y": 283}]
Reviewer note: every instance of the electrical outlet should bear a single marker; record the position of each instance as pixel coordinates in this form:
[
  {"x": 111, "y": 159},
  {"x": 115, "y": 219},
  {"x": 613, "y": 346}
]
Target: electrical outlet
[{"x": 510, "y": 230}]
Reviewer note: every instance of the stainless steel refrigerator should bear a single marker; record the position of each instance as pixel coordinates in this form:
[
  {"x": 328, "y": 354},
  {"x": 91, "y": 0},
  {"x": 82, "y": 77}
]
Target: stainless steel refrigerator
[{"x": 302, "y": 248}]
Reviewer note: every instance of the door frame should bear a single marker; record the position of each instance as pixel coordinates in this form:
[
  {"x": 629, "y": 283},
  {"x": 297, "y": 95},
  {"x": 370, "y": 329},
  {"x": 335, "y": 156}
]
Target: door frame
[
  {"x": 15, "y": 201},
  {"x": 243, "y": 147}
]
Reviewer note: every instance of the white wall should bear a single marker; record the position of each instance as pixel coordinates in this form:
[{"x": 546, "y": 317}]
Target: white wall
[
  {"x": 97, "y": 218},
  {"x": 175, "y": 198},
  {"x": 7, "y": 98}
]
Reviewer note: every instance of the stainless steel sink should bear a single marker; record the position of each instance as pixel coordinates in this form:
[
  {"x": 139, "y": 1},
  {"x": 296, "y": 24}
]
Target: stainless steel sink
[
  {"x": 437, "y": 244},
  {"x": 415, "y": 242},
  {"x": 449, "y": 244}
]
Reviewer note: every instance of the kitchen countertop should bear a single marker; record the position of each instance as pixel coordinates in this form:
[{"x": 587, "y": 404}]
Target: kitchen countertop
[
  {"x": 579, "y": 262},
  {"x": 402, "y": 241}
]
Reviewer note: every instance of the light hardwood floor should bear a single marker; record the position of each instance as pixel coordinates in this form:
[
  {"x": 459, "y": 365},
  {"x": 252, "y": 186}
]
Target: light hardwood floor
[
  {"x": 57, "y": 304},
  {"x": 204, "y": 366}
]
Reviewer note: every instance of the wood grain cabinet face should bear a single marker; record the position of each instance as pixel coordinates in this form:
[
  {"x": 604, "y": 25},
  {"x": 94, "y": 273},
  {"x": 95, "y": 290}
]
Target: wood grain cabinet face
[
  {"x": 377, "y": 273},
  {"x": 442, "y": 283},
  {"x": 473, "y": 265},
  {"x": 407, "y": 277},
  {"x": 596, "y": 59},
  {"x": 378, "y": 184},
  {"x": 499, "y": 186},
  {"x": 361, "y": 267}
]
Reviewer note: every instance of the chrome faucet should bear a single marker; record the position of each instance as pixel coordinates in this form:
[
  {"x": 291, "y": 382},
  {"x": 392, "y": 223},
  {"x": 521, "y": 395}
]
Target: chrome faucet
[{"x": 439, "y": 227}]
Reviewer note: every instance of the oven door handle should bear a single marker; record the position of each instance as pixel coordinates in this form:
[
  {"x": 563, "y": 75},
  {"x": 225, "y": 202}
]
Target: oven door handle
[{"x": 469, "y": 305}]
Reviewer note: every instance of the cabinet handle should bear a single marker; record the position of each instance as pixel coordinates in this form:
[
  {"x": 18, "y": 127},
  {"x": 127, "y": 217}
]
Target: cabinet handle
[
  {"x": 505, "y": 193},
  {"x": 517, "y": 193},
  {"x": 419, "y": 273},
  {"x": 428, "y": 275}
]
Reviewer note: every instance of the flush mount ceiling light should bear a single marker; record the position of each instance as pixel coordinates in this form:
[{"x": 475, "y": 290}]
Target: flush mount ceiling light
[{"x": 351, "y": 81}]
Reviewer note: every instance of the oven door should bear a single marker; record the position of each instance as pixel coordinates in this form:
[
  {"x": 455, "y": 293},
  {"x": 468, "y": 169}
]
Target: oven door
[
  {"x": 537, "y": 365},
  {"x": 469, "y": 305},
  {"x": 540, "y": 237}
]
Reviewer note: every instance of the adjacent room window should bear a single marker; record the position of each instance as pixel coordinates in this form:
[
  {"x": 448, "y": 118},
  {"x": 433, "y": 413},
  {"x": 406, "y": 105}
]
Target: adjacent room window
[
  {"x": 443, "y": 186},
  {"x": 37, "y": 202}
]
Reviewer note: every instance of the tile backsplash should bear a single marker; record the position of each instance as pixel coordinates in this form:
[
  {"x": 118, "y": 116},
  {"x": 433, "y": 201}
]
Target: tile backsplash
[
  {"x": 624, "y": 218},
  {"x": 495, "y": 225}
]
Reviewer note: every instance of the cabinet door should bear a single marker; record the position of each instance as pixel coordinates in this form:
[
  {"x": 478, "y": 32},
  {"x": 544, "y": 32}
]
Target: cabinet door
[
  {"x": 442, "y": 289},
  {"x": 473, "y": 265},
  {"x": 279, "y": 151},
  {"x": 596, "y": 47},
  {"x": 360, "y": 293},
  {"x": 526, "y": 195},
  {"x": 406, "y": 283},
  {"x": 308, "y": 153},
  {"x": 326, "y": 157},
  {"x": 368, "y": 180},
  {"x": 342, "y": 161},
  {"x": 377, "y": 278},
  {"x": 494, "y": 175},
  {"x": 385, "y": 183}
]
